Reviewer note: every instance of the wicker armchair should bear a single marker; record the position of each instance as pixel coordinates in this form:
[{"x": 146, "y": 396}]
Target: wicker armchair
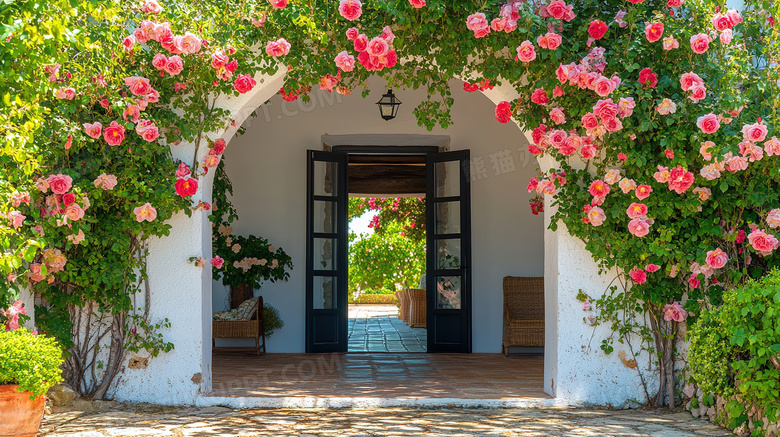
[
  {"x": 252, "y": 328},
  {"x": 523, "y": 312},
  {"x": 403, "y": 298},
  {"x": 417, "y": 307}
]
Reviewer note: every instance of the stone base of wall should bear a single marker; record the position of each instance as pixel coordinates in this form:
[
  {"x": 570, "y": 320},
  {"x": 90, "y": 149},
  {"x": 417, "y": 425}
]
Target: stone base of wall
[{"x": 713, "y": 407}]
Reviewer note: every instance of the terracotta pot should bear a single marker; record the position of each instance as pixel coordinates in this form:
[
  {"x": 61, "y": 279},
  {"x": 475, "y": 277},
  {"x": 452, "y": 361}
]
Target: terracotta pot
[{"x": 20, "y": 416}]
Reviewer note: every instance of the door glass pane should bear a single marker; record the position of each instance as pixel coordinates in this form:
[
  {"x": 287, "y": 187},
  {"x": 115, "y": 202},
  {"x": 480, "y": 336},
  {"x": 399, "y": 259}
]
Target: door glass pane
[
  {"x": 447, "y": 217},
  {"x": 324, "y": 292},
  {"x": 324, "y": 253},
  {"x": 325, "y": 178},
  {"x": 324, "y": 216},
  {"x": 448, "y": 254},
  {"x": 447, "y": 178},
  {"x": 448, "y": 292}
]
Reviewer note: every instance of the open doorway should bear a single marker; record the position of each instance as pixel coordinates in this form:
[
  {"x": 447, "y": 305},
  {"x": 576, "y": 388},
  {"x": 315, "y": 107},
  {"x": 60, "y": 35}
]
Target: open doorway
[
  {"x": 387, "y": 236},
  {"x": 421, "y": 300}
]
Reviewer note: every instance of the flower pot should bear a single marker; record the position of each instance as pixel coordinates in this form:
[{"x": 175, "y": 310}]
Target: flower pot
[{"x": 20, "y": 416}]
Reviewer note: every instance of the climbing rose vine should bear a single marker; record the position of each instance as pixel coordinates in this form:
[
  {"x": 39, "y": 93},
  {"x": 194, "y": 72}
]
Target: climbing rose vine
[{"x": 660, "y": 116}]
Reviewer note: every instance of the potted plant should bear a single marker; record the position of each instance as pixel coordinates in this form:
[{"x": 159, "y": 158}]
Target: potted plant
[
  {"x": 29, "y": 366},
  {"x": 249, "y": 261}
]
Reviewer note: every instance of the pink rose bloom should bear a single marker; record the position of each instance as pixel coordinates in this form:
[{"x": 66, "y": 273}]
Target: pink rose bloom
[
  {"x": 626, "y": 107},
  {"x": 773, "y": 218},
  {"x": 74, "y": 212},
  {"x": 476, "y": 22},
  {"x": 710, "y": 172},
  {"x": 721, "y": 22},
  {"x": 387, "y": 34},
  {"x": 217, "y": 262},
  {"x": 138, "y": 85},
  {"x": 182, "y": 171},
  {"x": 698, "y": 93},
  {"x": 219, "y": 59},
  {"x": 526, "y": 52},
  {"x": 350, "y": 9},
  {"x": 147, "y": 130},
  {"x": 210, "y": 161},
  {"x": 627, "y": 185},
  {"x": 417, "y": 4},
  {"x": 654, "y": 31},
  {"x": 279, "y": 47},
  {"x": 639, "y": 227},
  {"x": 244, "y": 83},
  {"x": 638, "y": 275},
  {"x": 534, "y": 182},
  {"x": 708, "y": 124},
  {"x": 59, "y": 183},
  {"x": 622, "y": 156},
  {"x": 755, "y": 132},
  {"x": 129, "y": 42},
  {"x": 352, "y": 33},
  {"x": 670, "y": 43},
  {"x": 260, "y": 20},
  {"x": 151, "y": 7},
  {"x": 550, "y": 41},
  {"x": 772, "y": 147},
  {"x": 675, "y": 312},
  {"x": 694, "y": 282},
  {"x": 588, "y": 151},
  {"x": 345, "y": 61},
  {"x": 700, "y": 43},
  {"x": 159, "y": 61},
  {"x": 558, "y": 138},
  {"x": 726, "y": 36},
  {"x": 603, "y": 86},
  {"x": 378, "y": 47},
  {"x": 188, "y": 43},
  {"x": 105, "y": 181},
  {"x": 145, "y": 212},
  {"x": 703, "y": 193},
  {"x": 680, "y": 180},
  {"x": 174, "y": 65},
  {"x": 279, "y": 4},
  {"x": 590, "y": 121},
  {"x": 114, "y": 134},
  {"x": 605, "y": 110},
  {"x": 598, "y": 188},
  {"x": 557, "y": 116},
  {"x": 734, "y": 16},
  {"x": 19, "y": 198},
  {"x": 652, "y": 268},
  {"x": 93, "y": 130},
  {"x": 762, "y": 242},
  {"x": 597, "y": 29},
  {"x": 360, "y": 44},
  {"x": 666, "y": 107},
  {"x": 16, "y": 218},
  {"x": 689, "y": 80},
  {"x": 619, "y": 19},
  {"x": 751, "y": 151},
  {"x": 67, "y": 93},
  {"x": 717, "y": 258},
  {"x": 636, "y": 210},
  {"x": 736, "y": 163},
  {"x": 596, "y": 216}
]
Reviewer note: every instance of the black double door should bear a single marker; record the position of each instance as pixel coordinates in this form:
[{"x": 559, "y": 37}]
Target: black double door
[{"x": 448, "y": 257}]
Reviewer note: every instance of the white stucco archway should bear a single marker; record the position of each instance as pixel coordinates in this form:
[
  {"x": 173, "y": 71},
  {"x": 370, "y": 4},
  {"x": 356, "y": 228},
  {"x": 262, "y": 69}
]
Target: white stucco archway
[{"x": 575, "y": 369}]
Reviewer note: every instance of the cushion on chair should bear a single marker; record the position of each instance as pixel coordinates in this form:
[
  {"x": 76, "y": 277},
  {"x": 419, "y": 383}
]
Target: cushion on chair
[
  {"x": 225, "y": 315},
  {"x": 247, "y": 309}
]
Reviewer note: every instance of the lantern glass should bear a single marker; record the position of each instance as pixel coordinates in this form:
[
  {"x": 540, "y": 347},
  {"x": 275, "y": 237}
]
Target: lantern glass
[{"x": 388, "y": 105}]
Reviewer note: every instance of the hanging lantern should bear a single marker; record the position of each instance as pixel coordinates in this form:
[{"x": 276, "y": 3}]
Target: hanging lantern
[{"x": 388, "y": 105}]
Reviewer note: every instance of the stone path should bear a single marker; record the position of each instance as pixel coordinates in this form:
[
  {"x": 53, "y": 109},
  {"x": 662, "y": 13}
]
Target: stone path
[
  {"x": 154, "y": 421},
  {"x": 377, "y": 328}
]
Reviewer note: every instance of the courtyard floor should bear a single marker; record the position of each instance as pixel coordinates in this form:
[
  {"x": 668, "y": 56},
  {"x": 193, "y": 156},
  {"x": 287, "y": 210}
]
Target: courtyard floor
[
  {"x": 377, "y": 328},
  {"x": 156, "y": 421}
]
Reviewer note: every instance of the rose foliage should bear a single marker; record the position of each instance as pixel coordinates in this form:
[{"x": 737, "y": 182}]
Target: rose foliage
[{"x": 660, "y": 115}]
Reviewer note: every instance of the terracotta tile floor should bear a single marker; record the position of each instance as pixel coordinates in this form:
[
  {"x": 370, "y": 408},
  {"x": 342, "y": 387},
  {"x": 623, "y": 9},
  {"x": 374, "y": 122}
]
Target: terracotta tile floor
[
  {"x": 379, "y": 375},
  {"x": 377, "y": 328}
]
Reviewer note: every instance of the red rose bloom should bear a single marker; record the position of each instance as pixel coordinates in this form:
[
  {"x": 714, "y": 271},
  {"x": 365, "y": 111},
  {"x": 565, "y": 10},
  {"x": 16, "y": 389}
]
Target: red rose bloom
[
  {"x": 68, "y": 198},
  {"x": 504, "y": 112},
  {"x": 186, "y": 187},
  {"x": 597, "y": 29},
  {"x": 244, "y": 83}
]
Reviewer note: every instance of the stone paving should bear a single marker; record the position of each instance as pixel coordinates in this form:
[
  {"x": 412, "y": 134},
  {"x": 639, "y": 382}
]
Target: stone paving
[
  {"x": 377, "y": 328},
  {"x": 154, "y": 421}
]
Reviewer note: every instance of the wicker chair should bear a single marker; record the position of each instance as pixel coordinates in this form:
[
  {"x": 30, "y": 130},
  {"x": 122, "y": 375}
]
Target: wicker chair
[
  {"x": 252, "y": 328},
  {"x": 523, "y": 313},
  {"x": 417, "y": 307},
  {"x": 403, "y": 297}
]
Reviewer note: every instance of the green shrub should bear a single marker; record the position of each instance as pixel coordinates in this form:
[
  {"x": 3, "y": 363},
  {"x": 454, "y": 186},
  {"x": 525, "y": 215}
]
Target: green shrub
[
  {"x": 30, "y": 361},
  {"x": 735, "y": 348},
  {"x": 272, "y": 321}
]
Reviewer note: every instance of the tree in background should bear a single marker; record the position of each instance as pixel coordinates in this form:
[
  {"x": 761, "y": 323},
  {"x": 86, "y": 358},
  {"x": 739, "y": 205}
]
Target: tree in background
[{"x": 393, "y": 257}]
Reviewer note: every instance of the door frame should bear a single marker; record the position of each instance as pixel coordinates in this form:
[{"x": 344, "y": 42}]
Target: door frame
[{"x": 343, "y": 272}]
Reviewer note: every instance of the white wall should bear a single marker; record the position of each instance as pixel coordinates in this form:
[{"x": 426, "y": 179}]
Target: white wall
[{"x": 268, "y": 168}]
